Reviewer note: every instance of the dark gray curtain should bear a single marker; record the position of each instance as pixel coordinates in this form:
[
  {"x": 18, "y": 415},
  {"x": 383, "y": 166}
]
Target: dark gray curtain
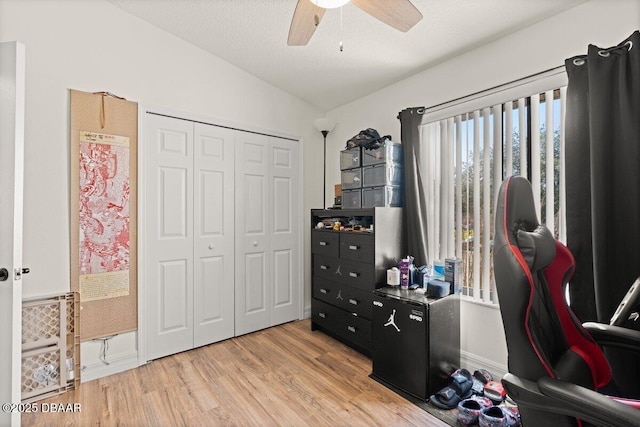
[
  {"x": 415, "y": 206},
  {"x": 603, "y": 176}
]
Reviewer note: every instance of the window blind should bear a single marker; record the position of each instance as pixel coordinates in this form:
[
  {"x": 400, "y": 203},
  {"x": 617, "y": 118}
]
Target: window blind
[{"x": 469, "y": 146}]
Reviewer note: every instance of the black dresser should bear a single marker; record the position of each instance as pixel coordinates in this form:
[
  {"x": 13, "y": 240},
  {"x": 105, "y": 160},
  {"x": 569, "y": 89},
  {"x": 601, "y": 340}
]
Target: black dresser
[{"x": 347, "y": 266}]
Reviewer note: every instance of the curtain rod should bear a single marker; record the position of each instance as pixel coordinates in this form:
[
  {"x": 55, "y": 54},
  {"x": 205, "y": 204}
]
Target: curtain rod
[{"x": 494, "y": 89}]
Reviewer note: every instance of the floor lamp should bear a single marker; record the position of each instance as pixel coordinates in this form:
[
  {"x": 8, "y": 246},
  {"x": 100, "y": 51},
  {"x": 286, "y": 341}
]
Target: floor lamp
[{"x": 324, "y": 125}]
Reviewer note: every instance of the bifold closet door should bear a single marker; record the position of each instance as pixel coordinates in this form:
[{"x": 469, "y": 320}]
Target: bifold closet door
[
  {"x": 267, "y": 217},
  {"x": 213, "y": 234},
  {"x": 189, "y": 234},
  {"x": 168, "y": 235}
]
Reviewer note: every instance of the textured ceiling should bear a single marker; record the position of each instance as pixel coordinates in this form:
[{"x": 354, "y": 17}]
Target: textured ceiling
[{"x": 252, "y": 35}]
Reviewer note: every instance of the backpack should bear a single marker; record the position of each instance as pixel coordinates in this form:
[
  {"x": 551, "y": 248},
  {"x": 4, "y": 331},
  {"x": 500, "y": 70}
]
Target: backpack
[{"x": 368, "y": 138}]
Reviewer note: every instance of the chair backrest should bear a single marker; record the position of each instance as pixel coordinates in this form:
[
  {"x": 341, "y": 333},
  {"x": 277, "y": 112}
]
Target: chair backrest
[{"x": 532, "y": 269}]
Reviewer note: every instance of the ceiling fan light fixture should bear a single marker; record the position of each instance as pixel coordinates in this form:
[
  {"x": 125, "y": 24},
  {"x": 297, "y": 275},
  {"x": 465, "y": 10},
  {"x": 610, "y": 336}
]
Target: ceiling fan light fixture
[{"x": 329, "y": 4}]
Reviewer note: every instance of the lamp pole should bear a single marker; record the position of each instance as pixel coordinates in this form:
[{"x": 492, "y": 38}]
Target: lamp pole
[
  {"x": 324, "y": 169},
  {"x": 324, "y": 125}
]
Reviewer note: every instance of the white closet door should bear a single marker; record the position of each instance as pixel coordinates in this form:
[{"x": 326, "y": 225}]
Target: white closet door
[
  {"x": 214, "y": 234},
  {"x": 169, "y": 235},
  {"x": 252, "y": 229},
  {"x": 284, "y": 230}
]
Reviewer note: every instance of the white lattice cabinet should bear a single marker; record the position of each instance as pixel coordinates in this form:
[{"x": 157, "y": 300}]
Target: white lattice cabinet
[{"x": 50, "y": 346}]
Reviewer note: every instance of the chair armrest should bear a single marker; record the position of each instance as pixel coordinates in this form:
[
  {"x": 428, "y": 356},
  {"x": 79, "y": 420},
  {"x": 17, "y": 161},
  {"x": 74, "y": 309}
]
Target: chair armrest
[
  {"x": 527, "y": 393},
  {"x": 614, "y": 336},
  {"x": 588, "y": 405}
]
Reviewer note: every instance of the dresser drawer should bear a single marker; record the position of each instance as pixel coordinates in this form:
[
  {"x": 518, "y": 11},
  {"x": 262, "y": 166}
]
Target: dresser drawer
[
  {"x": 357, "y": 274},
  {"x": 326, "y": 315},
  {"x": 356, "y": 329},
  {"x": 357, "y": 247},
  {"x": 343, "y": 296},
  {"x": 326, "y": 267},
  {"x": 352, "y": 328},
  {"x": 325, "y": 243},
  {"x": 352, "y": 273}
]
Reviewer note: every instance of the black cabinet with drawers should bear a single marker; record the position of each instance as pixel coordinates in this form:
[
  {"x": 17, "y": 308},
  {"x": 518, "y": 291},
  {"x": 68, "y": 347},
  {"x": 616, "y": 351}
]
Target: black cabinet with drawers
[{"x": 347, "y": 266}]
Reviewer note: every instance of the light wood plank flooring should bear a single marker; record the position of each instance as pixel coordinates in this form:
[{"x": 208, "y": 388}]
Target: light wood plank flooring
[{"x": 282, "y": 376}]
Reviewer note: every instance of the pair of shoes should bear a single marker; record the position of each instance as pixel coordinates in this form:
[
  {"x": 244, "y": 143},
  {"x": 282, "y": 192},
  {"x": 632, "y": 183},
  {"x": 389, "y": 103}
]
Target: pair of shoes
[
  {"x": 469, "y": 410},
  {"x": 459, "y": 388},
  {"x": 499, "y": 416}
]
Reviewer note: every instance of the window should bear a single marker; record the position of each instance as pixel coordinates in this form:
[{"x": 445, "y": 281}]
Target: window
[{"x": 469, "y": 146}]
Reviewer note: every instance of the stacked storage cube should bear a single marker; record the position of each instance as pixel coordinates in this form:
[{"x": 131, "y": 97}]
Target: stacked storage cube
[
  {"x": 382, "y": 175},
  {"x": 351, "y": 177}
]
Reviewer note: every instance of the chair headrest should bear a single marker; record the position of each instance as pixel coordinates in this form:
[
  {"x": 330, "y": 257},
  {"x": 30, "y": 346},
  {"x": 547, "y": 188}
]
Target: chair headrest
[
  {"x": 517, "y": 224},
  {"x": 538, "y": 247}
]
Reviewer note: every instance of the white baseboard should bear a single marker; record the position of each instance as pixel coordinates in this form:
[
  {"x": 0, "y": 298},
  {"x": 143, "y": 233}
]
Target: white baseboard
[
  {"x": 117, "y": 363},
  {"x": 472, "y": 362},
  {"x": 307, "y": 312}
]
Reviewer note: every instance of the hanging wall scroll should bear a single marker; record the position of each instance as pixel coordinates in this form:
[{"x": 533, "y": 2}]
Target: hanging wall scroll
[{"x": 103, "y": 212}]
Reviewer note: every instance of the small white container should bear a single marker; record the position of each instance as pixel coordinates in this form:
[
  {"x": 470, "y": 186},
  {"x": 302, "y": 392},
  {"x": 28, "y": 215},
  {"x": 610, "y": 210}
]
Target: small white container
[{"x": 393, "y": 277}]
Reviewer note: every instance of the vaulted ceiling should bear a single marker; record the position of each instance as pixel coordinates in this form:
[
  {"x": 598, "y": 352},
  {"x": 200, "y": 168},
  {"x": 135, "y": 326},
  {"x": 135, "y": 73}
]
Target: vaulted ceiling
[{"x": 252, "y": 35}]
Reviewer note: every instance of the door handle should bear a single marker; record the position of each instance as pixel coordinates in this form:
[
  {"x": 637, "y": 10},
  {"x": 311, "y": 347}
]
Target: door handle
[
  {"x": 4, "y": 274},
  {"x": 254, "y": 243}
]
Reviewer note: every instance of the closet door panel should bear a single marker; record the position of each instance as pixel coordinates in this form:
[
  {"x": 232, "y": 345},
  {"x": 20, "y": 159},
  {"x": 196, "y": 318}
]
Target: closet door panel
[
  {"x": 284, "y": 230},
  {"x": 169, "y": 236},
  {"x": 214, "y": 234},
  {"x": 252, "y": 232}
]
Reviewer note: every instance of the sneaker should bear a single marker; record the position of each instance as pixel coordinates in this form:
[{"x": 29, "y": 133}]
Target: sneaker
[
  {"x": 469, "y": 409},
  {"x": 512, "y": 414},
  {"x": 492, "y": 417}
]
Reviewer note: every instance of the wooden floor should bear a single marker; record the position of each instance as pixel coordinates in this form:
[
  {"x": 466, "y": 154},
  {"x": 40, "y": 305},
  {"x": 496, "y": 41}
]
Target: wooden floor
[{"x": 282, "y": 376}]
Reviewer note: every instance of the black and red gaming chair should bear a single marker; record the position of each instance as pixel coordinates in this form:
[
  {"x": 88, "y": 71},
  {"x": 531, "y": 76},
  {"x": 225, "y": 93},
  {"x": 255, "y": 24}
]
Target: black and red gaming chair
[{"x": 556, "y": 367}]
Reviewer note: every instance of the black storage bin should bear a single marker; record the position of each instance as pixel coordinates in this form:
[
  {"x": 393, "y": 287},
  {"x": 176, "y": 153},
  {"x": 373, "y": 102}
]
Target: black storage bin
[{"x": 382, "y": 174}]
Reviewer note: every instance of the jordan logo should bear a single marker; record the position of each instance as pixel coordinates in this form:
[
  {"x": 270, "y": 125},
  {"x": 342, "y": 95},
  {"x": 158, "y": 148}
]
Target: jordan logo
[
  {"x": 338, "y": 270},
  {"x": 392, "y": 321},
  {"x": 340, "y": 295}
]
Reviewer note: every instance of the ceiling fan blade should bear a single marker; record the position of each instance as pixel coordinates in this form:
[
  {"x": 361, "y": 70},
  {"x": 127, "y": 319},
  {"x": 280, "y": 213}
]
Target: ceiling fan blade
[
  {"x": 399, "y": 14},
  {"x": 303, "y": 24}
]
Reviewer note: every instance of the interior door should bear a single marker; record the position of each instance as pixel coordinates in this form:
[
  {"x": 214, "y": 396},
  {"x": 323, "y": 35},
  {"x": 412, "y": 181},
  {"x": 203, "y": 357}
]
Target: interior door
[
  {"x": 284, "y": 230},
  {"x": 169, "y": 235},
  {"x": 213, "y": 234},
  {"x": 252, "y": 229},
  {"x": 12, "y": 90}
]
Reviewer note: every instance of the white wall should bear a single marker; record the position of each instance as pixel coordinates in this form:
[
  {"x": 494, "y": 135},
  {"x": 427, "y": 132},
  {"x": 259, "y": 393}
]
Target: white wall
[
  {"x": 533, "y": 49},
  {"x": 94, "y": 46}
]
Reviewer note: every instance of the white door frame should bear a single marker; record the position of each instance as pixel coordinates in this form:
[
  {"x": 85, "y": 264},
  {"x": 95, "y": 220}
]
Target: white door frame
[
  {"x": 12, "y": 104},
  {"x": 143, "y": 109}
]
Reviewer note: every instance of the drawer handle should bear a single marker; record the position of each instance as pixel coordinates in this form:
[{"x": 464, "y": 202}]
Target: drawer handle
[
  {"x": 323, "y": 315},
  {"x": 354, "y": 247},
  {"x": 352, "y": 274},
  {"x": 351, "y": 329},
  {"x": 324, "y": 267},
  {"x": 324, "y": 291},
  {"x": 323, "y": 243},
  {"x": 353, "y": 301}
]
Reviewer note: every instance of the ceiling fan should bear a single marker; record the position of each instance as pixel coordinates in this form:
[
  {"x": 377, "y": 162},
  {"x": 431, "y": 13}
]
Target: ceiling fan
[{"x": 399, "y": 14}]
